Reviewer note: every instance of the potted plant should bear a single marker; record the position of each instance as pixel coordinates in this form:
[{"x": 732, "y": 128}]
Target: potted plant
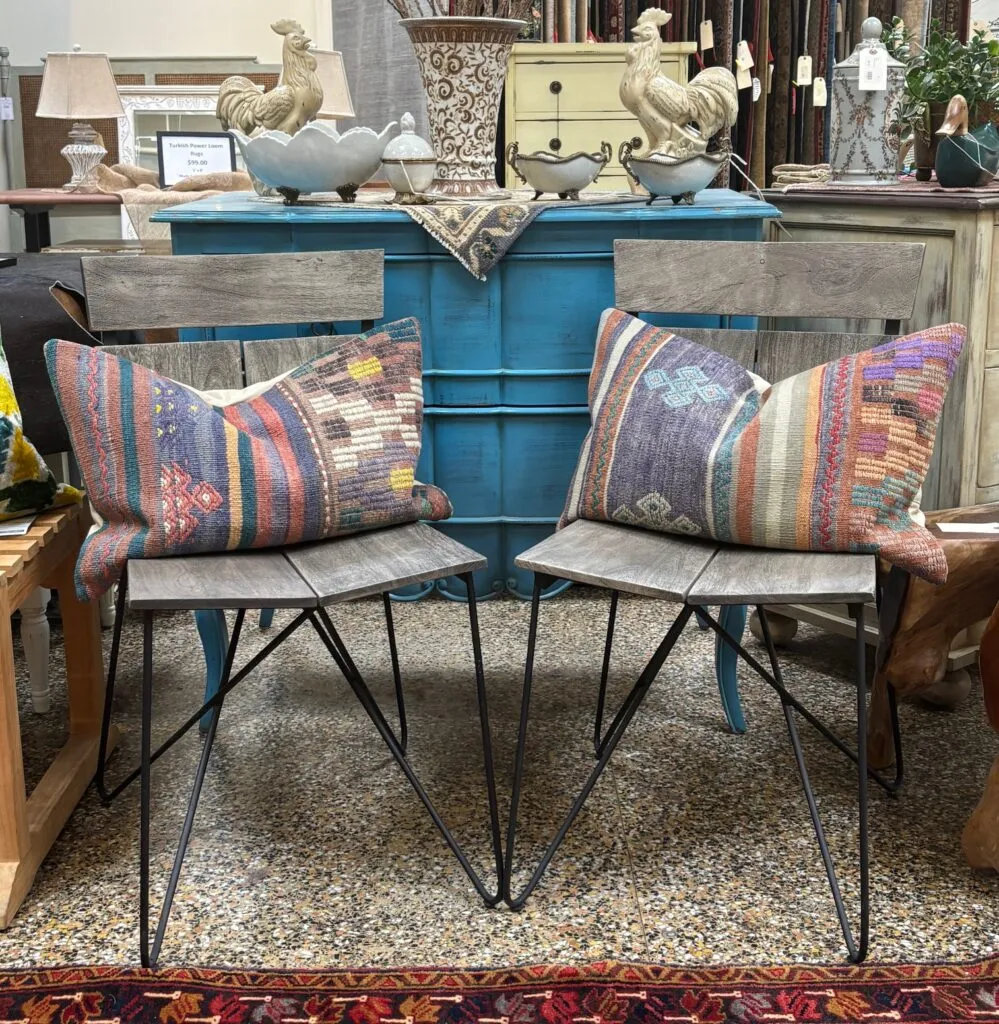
[{"x": 943, "y": 68}]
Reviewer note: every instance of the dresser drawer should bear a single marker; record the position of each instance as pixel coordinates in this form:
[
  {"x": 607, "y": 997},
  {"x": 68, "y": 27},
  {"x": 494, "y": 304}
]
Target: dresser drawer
[{"x": 586, "y": 86}]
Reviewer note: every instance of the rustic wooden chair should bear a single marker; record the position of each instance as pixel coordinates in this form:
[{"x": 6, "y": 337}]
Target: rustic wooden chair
[
  {"x": 194, "y": 291},
  {"x": 762, "y": 280}
]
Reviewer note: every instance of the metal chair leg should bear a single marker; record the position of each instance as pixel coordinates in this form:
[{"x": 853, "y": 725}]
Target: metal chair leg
[
  {"x": 149, "y": 955},
  {"x": 856, "y": 952},
  {"x": 606, "y": 747},
  {"x": 400, "y": 699},
  {"x": 328, "y": 634},
  {"x": 598, "y": 724},
  {"x": 102, "y": 752}
]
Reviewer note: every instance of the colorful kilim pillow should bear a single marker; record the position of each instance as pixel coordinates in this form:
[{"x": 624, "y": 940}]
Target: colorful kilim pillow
[
  {"x": 327, "y": 449},
  {"x": 685, "y": 440},
  {"x": 26, "y": 482}
]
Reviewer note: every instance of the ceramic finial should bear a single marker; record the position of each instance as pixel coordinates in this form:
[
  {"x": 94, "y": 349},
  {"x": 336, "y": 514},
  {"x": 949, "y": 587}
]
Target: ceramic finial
[
  {"x": 871, "y": 29},
  {"x": 408, "y": 124}
]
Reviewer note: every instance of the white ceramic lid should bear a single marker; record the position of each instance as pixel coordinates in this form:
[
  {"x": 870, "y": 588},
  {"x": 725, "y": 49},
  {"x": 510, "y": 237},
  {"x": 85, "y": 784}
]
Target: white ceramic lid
[{"x": 408, "y": 145}]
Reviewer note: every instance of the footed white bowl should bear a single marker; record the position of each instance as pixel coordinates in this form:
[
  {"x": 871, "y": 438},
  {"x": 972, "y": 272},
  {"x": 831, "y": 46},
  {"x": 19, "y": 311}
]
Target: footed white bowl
[
  {"x": 563, "y": 175},
  {"x": 315, "y": 159},
  {"x": 662, "y": 175}
]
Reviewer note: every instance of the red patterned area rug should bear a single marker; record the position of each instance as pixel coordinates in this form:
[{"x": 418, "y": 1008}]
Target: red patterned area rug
[{"x": 603, "y": 993}]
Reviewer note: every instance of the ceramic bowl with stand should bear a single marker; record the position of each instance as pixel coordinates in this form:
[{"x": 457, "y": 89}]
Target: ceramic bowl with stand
[
  {"x": 679, "y": 178},
  {"x": 317, "y": 158},
  {"x": 565, "y": 176}
]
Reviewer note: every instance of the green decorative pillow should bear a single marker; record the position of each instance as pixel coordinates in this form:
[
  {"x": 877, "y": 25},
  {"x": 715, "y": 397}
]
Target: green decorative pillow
[
  {"x": 328, "y": 449},
  {"x": 685, "y": 440},
  {"x": 26, "y": 482}
]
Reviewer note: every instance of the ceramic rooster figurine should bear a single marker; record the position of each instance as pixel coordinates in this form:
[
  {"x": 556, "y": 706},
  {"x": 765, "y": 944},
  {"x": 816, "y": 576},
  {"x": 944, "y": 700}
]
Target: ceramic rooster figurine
[
  {"x": 667, "y": 110},
  {"x": 293, "y": 102}
]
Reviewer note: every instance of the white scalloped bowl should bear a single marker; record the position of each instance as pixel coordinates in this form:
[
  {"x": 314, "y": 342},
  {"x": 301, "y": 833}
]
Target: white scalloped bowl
[{"x": 317, "y": 158}]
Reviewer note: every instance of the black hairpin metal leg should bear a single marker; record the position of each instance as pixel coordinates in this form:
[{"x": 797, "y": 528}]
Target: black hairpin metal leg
[
  {"x": 598, "y": 724},
  {"x": 206, "y": 708},
  {"x": 606, "y": 746},
  {"x": 328, "y": 634},
  {"x": 102, "y": 753},
  {"x": 856, "y": 952},
  {"x": 149, "y": 955},
  {"x": 400, "y": 699}
]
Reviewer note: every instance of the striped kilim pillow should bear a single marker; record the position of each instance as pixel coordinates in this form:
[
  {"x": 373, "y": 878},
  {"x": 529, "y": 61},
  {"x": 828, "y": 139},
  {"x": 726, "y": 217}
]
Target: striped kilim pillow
[
  {"x": 328, "y": 449},
  {"x": 685, "y": 440}
]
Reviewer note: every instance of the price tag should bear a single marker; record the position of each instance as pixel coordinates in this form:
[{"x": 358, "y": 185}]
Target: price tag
[
  {"x": 770, "y": 79},
  {"x": 873, "y": 69},
  {"x": 183, "y": 154},
  {"x": 757, "y": 89},
  {"x": 743, "y": 79},
  {"x": 6, "y": 108},
  {"x": 742, "y": 55},
  {"x": 819, "y": 96},
  {"x": 707, "y": 36},
  {"x": 804, "y": 75}
]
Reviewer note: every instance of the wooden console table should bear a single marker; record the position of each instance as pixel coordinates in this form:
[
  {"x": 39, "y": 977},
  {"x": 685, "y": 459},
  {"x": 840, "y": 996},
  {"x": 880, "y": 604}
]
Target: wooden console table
[
  {"x": 46, "y": 557},
  {"x": 35, "y": 205}
]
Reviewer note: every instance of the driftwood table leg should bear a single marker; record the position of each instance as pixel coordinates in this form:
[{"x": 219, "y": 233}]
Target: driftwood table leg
[{"x": 880, "y": 745}]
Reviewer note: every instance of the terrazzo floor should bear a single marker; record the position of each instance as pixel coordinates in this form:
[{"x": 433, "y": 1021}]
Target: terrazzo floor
[{"x": 311, "y": 851}]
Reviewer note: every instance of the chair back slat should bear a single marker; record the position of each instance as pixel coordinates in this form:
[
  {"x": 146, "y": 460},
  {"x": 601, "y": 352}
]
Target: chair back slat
[
  {"x": 737, "y": 345},
  {"x": 205, "y": 365},
  {"x": 146, "y": 292},
  {"x": 783, "y": 354},
  {"x": 264, "y": 360},
  {"x": 828, "y": 280}
]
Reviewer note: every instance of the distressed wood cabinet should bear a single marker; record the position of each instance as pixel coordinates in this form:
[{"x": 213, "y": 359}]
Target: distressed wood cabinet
[{"x": 960, "y": 282}]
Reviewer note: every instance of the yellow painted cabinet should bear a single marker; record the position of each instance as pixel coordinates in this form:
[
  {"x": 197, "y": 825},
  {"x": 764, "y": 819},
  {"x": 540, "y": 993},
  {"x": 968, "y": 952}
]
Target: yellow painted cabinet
[{"x": 569, "y": 93}]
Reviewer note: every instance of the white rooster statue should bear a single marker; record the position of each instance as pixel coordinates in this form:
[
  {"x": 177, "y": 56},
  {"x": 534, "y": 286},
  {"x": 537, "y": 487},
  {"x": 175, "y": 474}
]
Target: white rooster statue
[
  {"x": 667, "y": 110},
  {"x": 292, "y": 103}
]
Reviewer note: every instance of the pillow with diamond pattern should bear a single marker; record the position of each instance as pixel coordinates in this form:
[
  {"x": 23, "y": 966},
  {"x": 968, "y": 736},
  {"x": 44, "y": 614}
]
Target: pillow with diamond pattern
[
  {"x": 685, "y": 440},
  {"x": 328, "y": 449}
]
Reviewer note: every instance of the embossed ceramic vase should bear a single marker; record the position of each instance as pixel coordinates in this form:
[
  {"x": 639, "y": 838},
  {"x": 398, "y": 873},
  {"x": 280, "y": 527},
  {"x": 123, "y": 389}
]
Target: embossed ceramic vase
[{"x": 463, "y": 62}]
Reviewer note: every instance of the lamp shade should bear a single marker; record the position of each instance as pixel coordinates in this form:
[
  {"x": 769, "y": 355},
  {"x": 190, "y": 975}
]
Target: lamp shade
[
  {"x": 333, "y": 78},
  {"x": 78, "y": 86}
]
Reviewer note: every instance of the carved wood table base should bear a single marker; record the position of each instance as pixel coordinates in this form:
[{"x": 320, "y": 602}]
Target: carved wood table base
[{"x": 921, "y": 622}]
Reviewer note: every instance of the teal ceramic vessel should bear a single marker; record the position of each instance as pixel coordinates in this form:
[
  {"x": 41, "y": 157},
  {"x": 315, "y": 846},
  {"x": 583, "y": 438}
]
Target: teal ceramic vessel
[{"x": 966, "y": 159}]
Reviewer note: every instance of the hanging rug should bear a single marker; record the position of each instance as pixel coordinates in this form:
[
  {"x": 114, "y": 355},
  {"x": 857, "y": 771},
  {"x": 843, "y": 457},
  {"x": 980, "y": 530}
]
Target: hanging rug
[{"x": 609, "y": 993}]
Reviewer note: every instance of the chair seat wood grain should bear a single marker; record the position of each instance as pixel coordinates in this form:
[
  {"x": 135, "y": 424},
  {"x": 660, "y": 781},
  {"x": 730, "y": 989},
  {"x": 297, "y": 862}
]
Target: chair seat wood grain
[
  {"x": 760, "y": 576},
  {"x": 242, "y": 579},
  {"x": 377, "y": 561},
  {"x": 621, "y": 557}
]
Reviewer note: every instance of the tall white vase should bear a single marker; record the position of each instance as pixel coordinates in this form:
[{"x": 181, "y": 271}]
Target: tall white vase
[{"x": 463, "y": 62}]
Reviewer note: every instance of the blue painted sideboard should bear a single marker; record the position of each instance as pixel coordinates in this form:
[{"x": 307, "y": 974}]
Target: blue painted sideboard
[{"x": 506, "y": 361}]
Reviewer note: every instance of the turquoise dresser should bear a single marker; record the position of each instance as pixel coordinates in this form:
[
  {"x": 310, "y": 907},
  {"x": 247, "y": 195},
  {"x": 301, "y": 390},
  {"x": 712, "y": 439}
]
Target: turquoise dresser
[{"x": 506, "y": 361}]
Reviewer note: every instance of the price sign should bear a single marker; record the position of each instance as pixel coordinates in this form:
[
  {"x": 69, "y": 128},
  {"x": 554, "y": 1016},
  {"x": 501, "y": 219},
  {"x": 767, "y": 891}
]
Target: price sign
[
  {"x": 6, "y": 108},
  {"x": 184, "y": 154}
]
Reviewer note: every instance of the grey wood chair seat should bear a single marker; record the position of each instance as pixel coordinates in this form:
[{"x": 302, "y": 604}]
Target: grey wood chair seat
[
  {"x": 366, "y": 564},
  {"x": 787, "y": 280},
  {"x": 238, "y": 291},
  {"x": 700, "y": 572}
]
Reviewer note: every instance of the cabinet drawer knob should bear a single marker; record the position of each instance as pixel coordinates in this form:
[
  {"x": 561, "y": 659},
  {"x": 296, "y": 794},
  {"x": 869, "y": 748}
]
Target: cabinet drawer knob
[
  {"x": 555, "y": 145},
  {"x": 555, "y": 88}
]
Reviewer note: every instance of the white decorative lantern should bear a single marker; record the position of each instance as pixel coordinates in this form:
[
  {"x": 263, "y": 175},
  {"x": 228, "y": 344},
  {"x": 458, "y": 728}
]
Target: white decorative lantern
[{"x": 862, "y": 149}]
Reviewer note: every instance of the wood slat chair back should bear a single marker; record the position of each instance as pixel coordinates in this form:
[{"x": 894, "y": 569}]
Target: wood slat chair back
[
  {"x": 142, "y": 292},
  {"x": 147, "y": 292},
  {"x": 840, "y": 281}
]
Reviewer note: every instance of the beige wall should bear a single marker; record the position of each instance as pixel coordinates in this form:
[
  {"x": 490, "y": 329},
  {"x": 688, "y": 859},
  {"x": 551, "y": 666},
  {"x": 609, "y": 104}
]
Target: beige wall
[{"x": 175, "y": 28}]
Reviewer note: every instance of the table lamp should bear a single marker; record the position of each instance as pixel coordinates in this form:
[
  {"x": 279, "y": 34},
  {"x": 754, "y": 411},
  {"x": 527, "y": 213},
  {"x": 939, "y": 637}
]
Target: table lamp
[
  {"x": 79, "y": 87},
  {"x": 333, "y": 78}
]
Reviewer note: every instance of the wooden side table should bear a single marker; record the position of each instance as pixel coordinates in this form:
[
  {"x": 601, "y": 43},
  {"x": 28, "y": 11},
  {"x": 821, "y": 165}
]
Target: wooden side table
[
  {"x": 35, "y": 205},
  {"x": 46, "y": 557}
]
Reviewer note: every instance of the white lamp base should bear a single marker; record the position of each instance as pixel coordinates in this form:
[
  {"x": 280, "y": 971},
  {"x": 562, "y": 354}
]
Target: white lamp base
[{"x": 84, "y": 152}]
